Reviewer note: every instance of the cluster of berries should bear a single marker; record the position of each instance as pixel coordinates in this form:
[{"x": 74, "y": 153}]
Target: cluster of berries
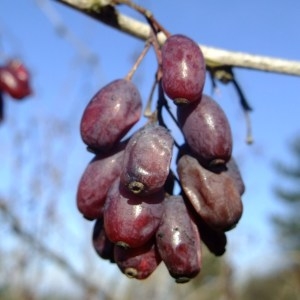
[{"x": 128, "y": 187}]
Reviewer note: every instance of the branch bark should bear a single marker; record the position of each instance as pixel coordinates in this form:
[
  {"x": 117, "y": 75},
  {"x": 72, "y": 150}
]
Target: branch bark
[{"x": 107, "y": 14}]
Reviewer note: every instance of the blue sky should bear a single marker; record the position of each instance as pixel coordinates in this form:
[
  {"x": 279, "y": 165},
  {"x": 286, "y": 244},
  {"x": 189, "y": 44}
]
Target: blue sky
[{"x": 64, "y": 81}]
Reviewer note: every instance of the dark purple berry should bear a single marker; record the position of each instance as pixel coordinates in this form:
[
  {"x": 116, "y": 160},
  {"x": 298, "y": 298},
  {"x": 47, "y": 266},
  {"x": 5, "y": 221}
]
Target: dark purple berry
[
  {"x": 183, "y": 69},
  {"x": 110, "y": 114}
]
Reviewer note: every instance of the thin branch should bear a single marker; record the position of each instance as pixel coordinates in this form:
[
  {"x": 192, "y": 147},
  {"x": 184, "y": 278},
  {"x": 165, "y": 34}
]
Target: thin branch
[
  {"x": 139, "y": 60},
  {"x": 106, "y": 13}
]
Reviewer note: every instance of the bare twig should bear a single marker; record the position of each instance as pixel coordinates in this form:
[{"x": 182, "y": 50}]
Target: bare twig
[
  {"x": 139, "y": 60},
  {"x": 107, "y": 14}
]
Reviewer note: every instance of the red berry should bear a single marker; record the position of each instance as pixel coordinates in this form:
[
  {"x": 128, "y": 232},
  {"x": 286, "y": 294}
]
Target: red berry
[
  {"x": 183, "y": 68},
  {"x": 110, "y": 115}
]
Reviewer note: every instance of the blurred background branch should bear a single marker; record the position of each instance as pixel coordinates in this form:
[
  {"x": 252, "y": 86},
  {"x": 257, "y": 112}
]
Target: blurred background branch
[{"x": 89, "y": 288}]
